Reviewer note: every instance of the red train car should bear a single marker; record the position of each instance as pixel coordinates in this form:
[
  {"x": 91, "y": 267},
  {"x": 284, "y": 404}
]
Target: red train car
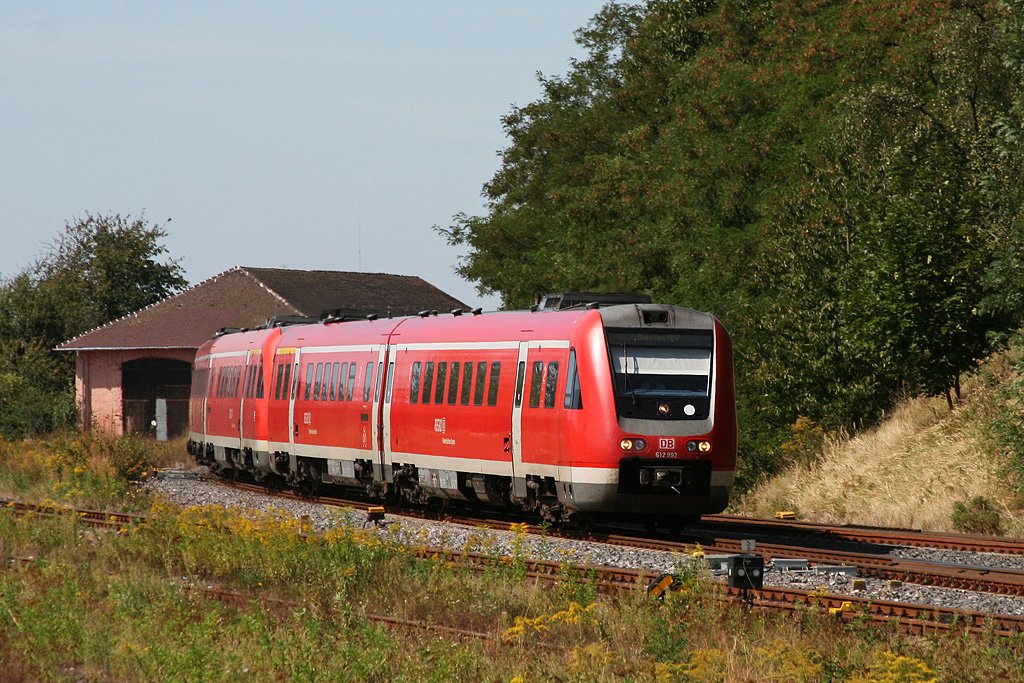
[{"x": 624, "y": 410}]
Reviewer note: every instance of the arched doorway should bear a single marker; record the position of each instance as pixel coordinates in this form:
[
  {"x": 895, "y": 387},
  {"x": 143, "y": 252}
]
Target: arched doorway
[{"x": 154, "y": 396}]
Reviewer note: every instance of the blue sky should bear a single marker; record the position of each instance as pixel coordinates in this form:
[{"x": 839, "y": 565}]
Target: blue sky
[{"x": 302, "y": 135}]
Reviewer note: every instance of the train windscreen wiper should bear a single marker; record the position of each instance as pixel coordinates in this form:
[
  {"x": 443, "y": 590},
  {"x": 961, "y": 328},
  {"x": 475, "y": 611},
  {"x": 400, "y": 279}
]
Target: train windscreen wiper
[{"x": 625, "y": 375}]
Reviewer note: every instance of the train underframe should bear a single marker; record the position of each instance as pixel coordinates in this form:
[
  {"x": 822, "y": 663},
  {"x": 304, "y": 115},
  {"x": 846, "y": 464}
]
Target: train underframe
[{"x": 656, "y": 492}]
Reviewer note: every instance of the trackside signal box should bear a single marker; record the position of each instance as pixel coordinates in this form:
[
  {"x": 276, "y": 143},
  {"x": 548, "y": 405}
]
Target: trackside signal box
[{"x": 746, "y": 571}]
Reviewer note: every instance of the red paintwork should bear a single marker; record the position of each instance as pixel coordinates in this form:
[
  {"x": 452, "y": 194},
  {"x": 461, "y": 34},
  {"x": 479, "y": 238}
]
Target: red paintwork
[{"x": 552, "y": 436}]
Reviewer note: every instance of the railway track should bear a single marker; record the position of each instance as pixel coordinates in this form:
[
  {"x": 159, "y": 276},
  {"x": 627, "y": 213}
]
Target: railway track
[
  {"x": 868, "y": 564},
  {"x": 734, "y": 524},
  {"x": 907, "y": 617}
]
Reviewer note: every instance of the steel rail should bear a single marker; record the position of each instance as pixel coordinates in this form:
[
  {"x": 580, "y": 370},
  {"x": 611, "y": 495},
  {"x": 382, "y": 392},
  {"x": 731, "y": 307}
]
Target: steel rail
[
  {"x": 611, "y": 580},
  {"x": 869, "y": 534},
  {"x": 981, "y": 579}
]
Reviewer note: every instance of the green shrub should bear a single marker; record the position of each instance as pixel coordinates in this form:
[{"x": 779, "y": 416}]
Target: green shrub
[{"x": 977, "y": 516}]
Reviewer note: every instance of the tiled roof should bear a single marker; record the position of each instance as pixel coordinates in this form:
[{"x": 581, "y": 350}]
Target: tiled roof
[
  {"x": 246, "y": 297},
  {"x": 315, "y": 291}
]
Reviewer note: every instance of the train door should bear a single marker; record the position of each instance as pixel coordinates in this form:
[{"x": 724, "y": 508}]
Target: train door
[
  {"x": 278, "y": 418},
  {"x": 384, "y": 444},
  {"x": 207, "y": 376},
  {"x": 377, "y": 427},
  {"x": 518, "y": 476},
  {"x": 243, "y": 404},
  {"x": 535, "y": 422},
  {"x": 293, "y": 426}
]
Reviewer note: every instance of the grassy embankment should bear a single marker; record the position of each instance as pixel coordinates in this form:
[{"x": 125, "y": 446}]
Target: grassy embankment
[
  {"x": 94, "y": 605},
  {"x": 924, "y": 466}
]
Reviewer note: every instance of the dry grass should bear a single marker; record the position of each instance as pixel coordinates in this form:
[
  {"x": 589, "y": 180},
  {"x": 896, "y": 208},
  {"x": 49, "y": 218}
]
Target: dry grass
[{"x": 908, "y": 472}]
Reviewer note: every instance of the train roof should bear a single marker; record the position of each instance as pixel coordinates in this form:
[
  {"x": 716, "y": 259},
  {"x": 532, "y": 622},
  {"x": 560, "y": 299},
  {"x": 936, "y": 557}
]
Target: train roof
[{"x": 446, "y": 327}]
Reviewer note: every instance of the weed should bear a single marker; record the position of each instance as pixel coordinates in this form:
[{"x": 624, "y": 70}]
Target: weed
[
  {"x": 892, "y": 668},
  {"x": 976, "y": 516}
]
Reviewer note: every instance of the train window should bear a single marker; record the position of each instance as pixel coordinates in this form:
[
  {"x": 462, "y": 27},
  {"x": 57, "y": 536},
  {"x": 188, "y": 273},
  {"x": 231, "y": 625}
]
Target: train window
[
  {"x": 467, "y": 384},
  {"x": 295, "y": 382},
  {"x": 414, "y": 383},
  {"x": 453, "y": 386},
  {"x": 492, "y": 394},
  {"x": 520, "y": 379},
  {"x": 536, "y": 373},
  {"x": 259, "y": 379},
  {"x": 247, "y": 381},
  {"x": 250, "y": 381},
  {"x": 551, "y": 385},
  {"x": 481, "y": 383},
  {"x": 573, "y": 397},
  {"x": 391, "y": 381},
  {"x": 351, "y": 380},
  {"x": 278, "y": 381},
  {"x": 442, "y": 375},
  {"x": 428, "y": 381},
  {"x": 310, "y": 369},
  {"x": 319, "y": 382},
  {"x": 343, "y": 381},
  {"x": 330, "y": 383},
  {"x": 233, "y": 386},
  {"x": 367, "y": 381},
  {"x": 380, "y": 373}
]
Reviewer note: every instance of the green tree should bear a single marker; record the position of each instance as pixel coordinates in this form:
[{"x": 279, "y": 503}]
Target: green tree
[
  {"x": 829, "y": 177},
  {"x": 100, "y": 268}
]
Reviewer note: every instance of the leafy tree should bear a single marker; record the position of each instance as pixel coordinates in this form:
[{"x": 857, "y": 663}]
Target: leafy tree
[
  {"x": 1001, "y": 182},
  {"x": 833, "y": 179},
  {"x": 100, "y": 268}
]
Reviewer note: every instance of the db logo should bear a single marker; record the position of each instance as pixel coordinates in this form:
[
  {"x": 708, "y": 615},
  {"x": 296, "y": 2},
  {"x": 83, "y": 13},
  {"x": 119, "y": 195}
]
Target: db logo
[{"x": 666, "y": 444}]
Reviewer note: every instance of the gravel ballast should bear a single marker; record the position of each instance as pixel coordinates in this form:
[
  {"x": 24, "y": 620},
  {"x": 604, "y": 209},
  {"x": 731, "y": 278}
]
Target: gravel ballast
[{"x": 192, "y": 492}]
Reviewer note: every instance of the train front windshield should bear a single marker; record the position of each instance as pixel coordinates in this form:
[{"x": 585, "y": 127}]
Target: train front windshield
[{"x": 663, "y": 374}]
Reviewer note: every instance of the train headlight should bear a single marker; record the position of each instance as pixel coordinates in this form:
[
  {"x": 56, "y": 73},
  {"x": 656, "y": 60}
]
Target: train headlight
[
  {"x": 702, "y": 446},
  {"x": 632, "y": 445},
  {"x": 663, "y": 409}
]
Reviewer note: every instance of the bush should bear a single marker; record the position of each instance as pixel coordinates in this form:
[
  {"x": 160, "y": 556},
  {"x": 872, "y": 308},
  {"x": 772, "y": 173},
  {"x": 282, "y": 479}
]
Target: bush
[{"x": 977, "y": 516}]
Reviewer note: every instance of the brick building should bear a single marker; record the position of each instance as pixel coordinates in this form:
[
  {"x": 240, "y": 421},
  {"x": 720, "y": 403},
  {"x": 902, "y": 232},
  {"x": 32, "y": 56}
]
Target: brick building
[{"x": 134, "y": 374}]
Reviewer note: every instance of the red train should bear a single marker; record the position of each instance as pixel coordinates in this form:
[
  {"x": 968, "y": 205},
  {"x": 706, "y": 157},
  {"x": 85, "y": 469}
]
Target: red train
[{"x": 614, "y": 411}]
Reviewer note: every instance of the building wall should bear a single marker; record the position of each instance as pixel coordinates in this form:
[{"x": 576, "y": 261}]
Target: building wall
[{"x": 98, "y": 384}]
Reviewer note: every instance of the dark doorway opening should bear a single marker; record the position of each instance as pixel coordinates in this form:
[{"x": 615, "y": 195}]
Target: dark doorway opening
[{"x": 154, "y": 395}]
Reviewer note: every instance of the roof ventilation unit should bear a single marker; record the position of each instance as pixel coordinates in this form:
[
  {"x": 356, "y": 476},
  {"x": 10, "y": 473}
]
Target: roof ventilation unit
[{"x": 560, "y": 302}]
